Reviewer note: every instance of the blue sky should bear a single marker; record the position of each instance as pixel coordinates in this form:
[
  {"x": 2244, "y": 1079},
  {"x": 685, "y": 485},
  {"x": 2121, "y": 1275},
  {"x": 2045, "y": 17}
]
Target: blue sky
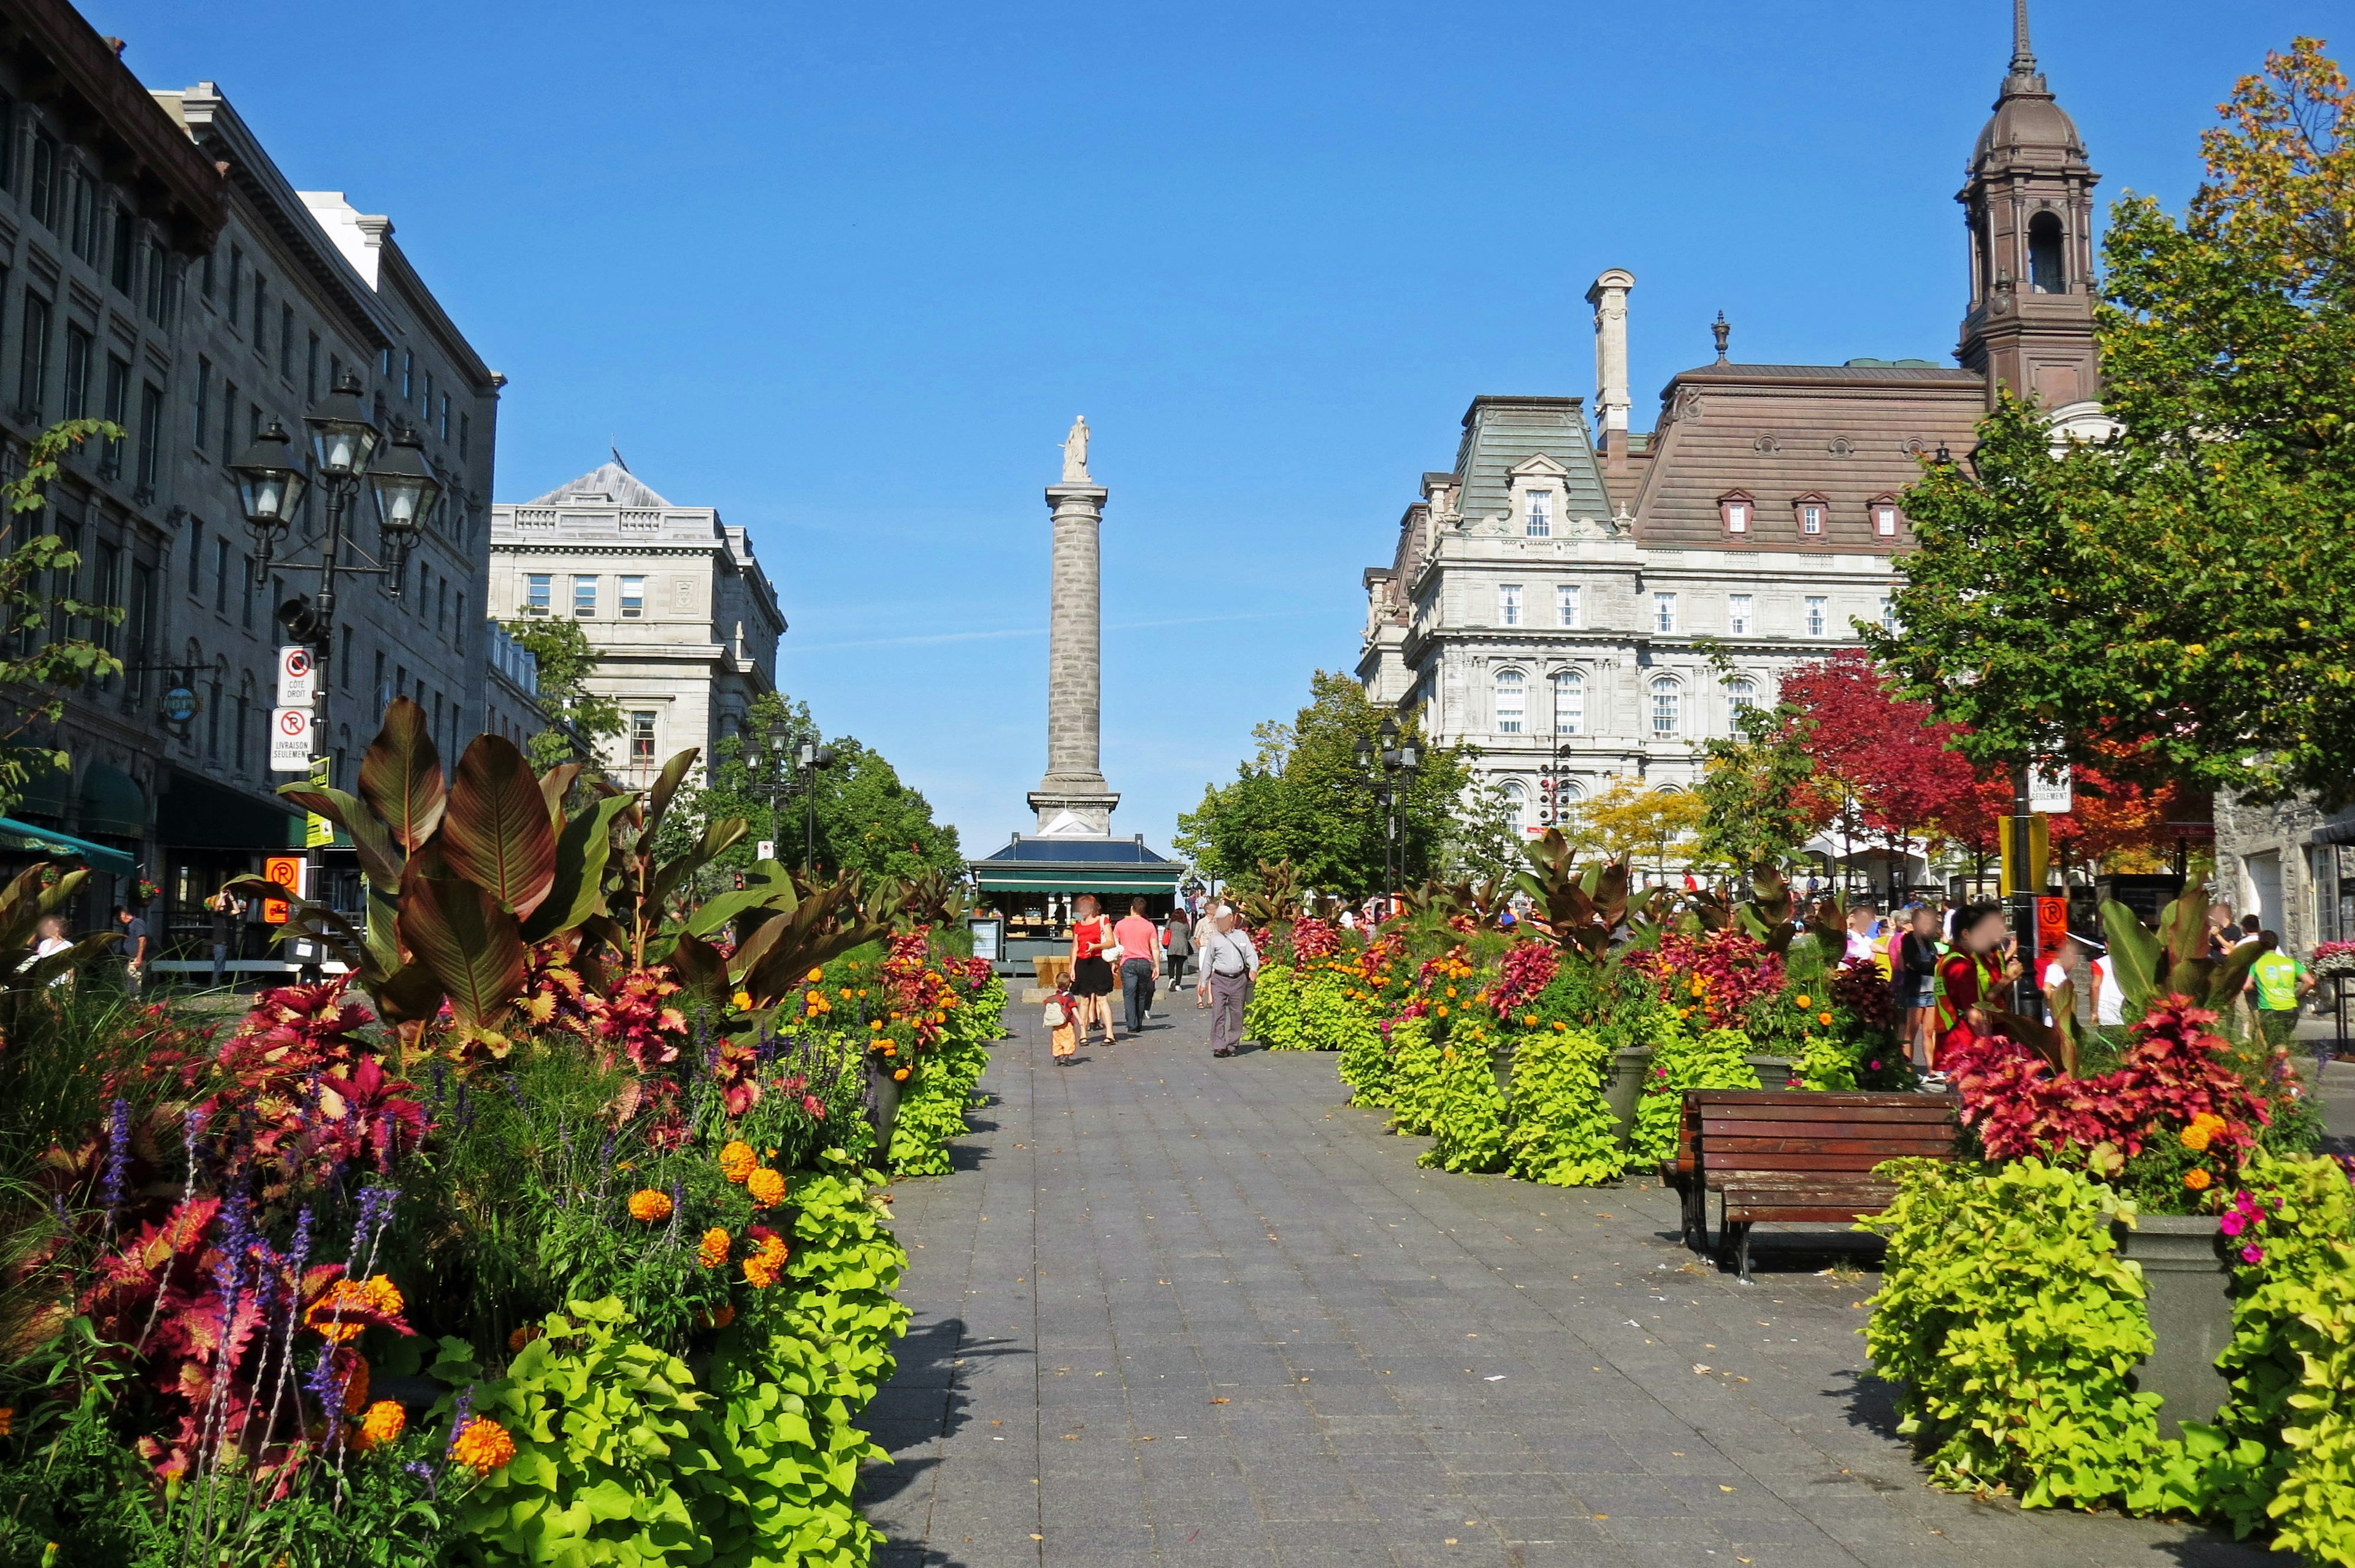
[{"x": 847, "y": 272}]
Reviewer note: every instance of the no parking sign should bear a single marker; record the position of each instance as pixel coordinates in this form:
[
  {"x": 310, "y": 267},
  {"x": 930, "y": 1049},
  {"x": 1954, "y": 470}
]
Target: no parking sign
[{"x": 290, "y": 740}]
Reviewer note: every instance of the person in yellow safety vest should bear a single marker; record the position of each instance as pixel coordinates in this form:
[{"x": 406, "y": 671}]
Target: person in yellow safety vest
[{"x": 2275, "y": 985}]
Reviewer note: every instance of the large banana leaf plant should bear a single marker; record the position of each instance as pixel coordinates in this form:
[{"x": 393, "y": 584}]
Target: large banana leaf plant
[
  {"x": 2173, "y": 959},
  {"x": 22, "y": 904},
  {"x": 1585, "y": 909}
]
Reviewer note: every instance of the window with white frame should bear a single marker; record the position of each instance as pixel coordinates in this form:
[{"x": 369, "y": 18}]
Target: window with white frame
[
  {"x": 1888, "y": 613},
  {"x": 1566, "y": 606},
  {"x": 1512, "y": 701},
  {"x": 536, "y": 592},
  {"x": 1740, "y": 615},
  {"x": 1664, "y": 612},
  {"x": 1516, "y": 805},
  {"x": 1508, "y": 604},
  {"x": 1540, "y": 514},
  {"x": 642, "y": 736},
  {"x": 1741, "y": 694},
  {"x": 1569, "y": 702},
  {"x": 1810, "y": 509},
  {"x": 1734, "y": 511},
  {"x": 1819, "y": 614},
  {"x": 584, "y": 597},
  {"x": 1668, "y": 707},
  {"x": 1884, "y": 518},
  {"x": 634, "y": 597}
]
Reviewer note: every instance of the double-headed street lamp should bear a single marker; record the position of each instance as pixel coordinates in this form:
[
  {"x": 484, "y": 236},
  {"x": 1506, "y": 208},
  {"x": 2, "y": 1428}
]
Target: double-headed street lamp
[
  {"x": 1398, "y": 760},
  {"x": 774, "y": 771},
  {"x": 345, "y": 451}
]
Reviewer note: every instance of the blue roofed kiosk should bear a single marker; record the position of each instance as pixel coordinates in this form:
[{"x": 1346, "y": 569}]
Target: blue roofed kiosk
[{"x": 1033, "y": 880}]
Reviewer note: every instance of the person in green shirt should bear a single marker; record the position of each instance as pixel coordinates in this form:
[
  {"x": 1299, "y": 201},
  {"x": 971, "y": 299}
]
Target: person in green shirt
[{"x": 2277, "y": 983}]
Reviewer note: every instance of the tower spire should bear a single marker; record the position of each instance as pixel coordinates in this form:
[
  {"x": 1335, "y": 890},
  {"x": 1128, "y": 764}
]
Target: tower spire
[{"x": 2023, "y": 77}]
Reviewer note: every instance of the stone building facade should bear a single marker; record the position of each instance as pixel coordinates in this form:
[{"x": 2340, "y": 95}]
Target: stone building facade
[
  {"x": 684, "y": 621},
  {"x": 1579, "y": 608}
]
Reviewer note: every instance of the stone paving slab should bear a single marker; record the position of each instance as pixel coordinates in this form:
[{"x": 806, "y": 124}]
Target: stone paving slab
[{"x": 1175, "y": 1311}]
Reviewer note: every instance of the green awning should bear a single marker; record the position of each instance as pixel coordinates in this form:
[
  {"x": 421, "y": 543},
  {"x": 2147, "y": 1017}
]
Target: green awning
[
  {"x": 48, "y": 842},
  {"x": 111, "y": 802},
  {"x": 1092, "y": 880}
]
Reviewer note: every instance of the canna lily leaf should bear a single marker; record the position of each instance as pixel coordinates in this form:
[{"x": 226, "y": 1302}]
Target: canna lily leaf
[
  {"x": 582, "y": 851},
  {"x": 555, "y": 785},
  {"x": 370, "y": 840},
  {"x": 495, "y": 830},
  {"x": 409, "y": 995},
  {"x": 462, "y": 937},
  {"x": 400, "y": 775},
  {"x": 658, "y": 799},
  {"x": 702, "y": 970}
]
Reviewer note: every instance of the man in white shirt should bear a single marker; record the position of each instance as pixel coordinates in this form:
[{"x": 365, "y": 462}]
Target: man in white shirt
[
  {"x": 2109, "y": 1001},
  {"x": 1230, "y": 962}
]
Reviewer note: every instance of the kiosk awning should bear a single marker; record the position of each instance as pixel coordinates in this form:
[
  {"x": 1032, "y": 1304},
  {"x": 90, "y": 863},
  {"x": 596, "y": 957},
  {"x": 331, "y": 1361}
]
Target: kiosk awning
[{"x": 25, "y": 836}]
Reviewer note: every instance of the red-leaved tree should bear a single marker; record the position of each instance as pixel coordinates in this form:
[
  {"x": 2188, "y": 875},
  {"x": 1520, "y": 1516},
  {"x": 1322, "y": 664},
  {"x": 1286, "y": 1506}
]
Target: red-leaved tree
[{"x": 1881, "y": 763}]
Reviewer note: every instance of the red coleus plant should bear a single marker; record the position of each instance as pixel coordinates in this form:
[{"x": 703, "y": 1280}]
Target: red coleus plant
[
  {"x": 1528, "y": 967},
  {"x": 1718, "y": 974},
  {"x": 1315, "y": 938},
  {"x": 2170, "y": 1075}
]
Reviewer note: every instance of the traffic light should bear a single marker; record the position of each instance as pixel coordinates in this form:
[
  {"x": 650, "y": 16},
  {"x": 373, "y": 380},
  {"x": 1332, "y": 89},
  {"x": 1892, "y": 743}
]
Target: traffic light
[{"x": 302, "y": 620}]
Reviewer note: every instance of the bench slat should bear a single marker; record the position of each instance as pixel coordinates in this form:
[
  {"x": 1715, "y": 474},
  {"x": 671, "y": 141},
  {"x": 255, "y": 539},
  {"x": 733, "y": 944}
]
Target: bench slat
[
  {"x": 1898, "y": 1115},
  {"x": 1814, "y": 1097},
  {"x": 1722, "y": 1147},
  {"x": 1718, "y": 1172},
  {"x": 1915, "y": 1131}
]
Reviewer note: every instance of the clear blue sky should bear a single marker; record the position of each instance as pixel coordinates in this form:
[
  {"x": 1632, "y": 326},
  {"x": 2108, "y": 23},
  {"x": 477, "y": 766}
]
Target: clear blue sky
[{"x": 847, "y": 272}]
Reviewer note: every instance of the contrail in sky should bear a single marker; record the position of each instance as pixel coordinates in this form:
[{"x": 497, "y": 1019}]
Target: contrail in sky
[{"x": 1023, "y": 631}]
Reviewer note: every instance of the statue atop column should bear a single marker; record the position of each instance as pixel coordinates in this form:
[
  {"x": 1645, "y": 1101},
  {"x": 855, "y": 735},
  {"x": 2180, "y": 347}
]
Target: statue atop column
[{"x": 1075, "y": 453}]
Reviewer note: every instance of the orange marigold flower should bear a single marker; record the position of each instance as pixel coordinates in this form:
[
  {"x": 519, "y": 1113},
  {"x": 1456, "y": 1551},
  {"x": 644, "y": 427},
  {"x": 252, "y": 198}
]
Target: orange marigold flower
[
  {"x": 523, "y": 1336},
  {"x": 332, "y": 1315},
  {"x": 7, "y": 1419},
  {"x": 899, "y": 1075},
  {"x": 1529, "y": 1020},
  {"x": 767, "y": 1186},
  {"x": 725, "y": 1316},
  {"x": 483, "y": 1445},
  {"x": 737, "y": 1160},
  {"x": 2197, "y": 1179},
  {"x": 817, "y": 975},
  {"x": 1824, "y": 1020},
  {"x": 1804, "y": 1000},
  {"x": 384, "y": 1422},
  {"x": 2194, "y": 1137},
  {"x": 650, "y": 1205},
  {"x": 713, "y": 1252},
  {"x": 356, "y": 1388}
]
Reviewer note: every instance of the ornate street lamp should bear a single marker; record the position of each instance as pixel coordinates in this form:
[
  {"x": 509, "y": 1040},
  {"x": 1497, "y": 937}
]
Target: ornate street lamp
[
  {"x": 270, "y": 486},
  {"x": 811, "y": 756},
  {"x": 1398, "y": 761},
  {"x": 406, "y": 493}
]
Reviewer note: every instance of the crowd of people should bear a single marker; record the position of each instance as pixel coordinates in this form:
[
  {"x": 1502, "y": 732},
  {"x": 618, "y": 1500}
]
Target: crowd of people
[{"x": 1135, "y": 955}]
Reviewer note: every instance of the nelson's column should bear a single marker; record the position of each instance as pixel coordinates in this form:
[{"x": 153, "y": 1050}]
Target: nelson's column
[{"x": 1072, "y": 800}]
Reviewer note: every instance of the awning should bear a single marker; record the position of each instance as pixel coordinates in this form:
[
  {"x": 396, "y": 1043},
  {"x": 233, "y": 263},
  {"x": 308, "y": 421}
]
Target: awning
[
  {"x": 47, "y": 841},
  {"x": 197, "y": 814},
  {"x": 111, "y": 804},
  {"x": 1083, "y": 879}
]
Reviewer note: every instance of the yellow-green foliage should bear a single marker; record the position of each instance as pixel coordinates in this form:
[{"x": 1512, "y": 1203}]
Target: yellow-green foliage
[
  {"x": 1330, "y": 1016},
  {"x": 1414, "y": 1075},
  {"x": 2012, "y": 1328},
  {"x": 1272, "y": 1015},
  {"x": 1682, "y": 1061},
  {"x": 1561, "y": 1130},
  {"x": 1468, "y": 1116},
  {"x": 1366, "y": 1063}
]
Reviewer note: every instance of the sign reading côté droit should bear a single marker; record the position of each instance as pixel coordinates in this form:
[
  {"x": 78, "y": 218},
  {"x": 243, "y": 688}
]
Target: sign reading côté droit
[{"x": 298, "y": 676}]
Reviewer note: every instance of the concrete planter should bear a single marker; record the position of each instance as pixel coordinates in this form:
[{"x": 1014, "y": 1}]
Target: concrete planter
[
  {"x": 1774, "y": 1072},
  {"x": 2188, "y": 1289},
  {"x": 1624, "y": 1091},
  {"x": 883, "y": 1106}
]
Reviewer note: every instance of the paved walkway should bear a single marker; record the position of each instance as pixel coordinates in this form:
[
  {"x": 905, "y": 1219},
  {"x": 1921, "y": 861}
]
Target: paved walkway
[{"x": 1178, "y": 1311}]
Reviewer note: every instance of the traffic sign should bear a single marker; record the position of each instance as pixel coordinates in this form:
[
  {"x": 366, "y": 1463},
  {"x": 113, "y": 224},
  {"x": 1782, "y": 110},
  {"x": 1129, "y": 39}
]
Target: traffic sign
[
  {"x": 286, "y": 870},
  {"x": 290, "y": 740},
  {"x": 766, "y": 849},
  {"x": 2049, "y": 787},
  {"x": 298, "y": 676}
]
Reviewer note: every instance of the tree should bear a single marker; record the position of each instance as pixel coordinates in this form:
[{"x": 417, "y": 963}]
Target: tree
[
  {"x": 1630, "y": 818},
  {"x": 1878, "y": 752},
  {"x": 2190, "y": 585},
  {"x": 40, "y": 658},
  {"x": 1486, "y": 844},
  {"x": 1755, "y": 790},
  {"x": 577, "y": 717},
  {"x": 1305, "y": 798}
]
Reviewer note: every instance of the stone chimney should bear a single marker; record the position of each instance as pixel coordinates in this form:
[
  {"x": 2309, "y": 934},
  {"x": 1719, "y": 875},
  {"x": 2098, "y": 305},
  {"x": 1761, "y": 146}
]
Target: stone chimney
[{"x": 1609, "y": 298}]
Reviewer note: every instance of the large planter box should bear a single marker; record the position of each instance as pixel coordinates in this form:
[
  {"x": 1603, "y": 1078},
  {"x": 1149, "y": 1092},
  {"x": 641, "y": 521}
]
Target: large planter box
[
  {"x": 1774, "y": 1072},
  {"x": 2187, "y": 1287},
  {"x": 1624, "y": 1091}
]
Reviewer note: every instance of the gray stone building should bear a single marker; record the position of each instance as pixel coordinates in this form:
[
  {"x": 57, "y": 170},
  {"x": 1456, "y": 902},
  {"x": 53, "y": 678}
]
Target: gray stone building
[
  {"x": 511, "y": 706},
  {"x": 1563, "y": 603},
  {"x": 684, "y": 621}
]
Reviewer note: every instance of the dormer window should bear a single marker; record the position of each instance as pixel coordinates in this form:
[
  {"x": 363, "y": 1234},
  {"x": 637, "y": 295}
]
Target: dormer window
[
  {"x": 1540, "y": 521},
  {"x": 1734, "y": 511},
  {"x": 1810, "y": 512},
  {"x": 1883, "y": 509}
]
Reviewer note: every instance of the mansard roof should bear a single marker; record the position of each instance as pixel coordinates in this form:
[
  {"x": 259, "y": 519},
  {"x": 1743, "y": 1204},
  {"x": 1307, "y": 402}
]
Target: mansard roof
[
  {"x": 1848, "y": 434},
  {"x": 1500, "y": 434},
  {"x": 607, "y": 484}
]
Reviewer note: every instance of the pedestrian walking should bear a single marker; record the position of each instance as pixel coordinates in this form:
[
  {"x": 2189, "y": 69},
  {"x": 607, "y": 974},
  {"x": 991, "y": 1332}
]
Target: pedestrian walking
[
  {"x": 1914, "y": 984},
  {"x": 226, "y": 909},
  {"x": 1140, "y": 962},
  {"x": 132, "y": 947},
  {"x": 1091, "y": 981},
  {"x": 2276, "y": 983},
  {"x": 1178, "y": 945},
  {"x": 1062, "y": 1034},
  {"x": 1230, "y": 962}
]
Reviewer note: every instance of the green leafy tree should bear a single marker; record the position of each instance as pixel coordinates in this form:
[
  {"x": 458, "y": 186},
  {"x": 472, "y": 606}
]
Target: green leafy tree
[
  {"x": 578, "y": 718},
  {"x": 40, "y": 658},
  {"x": 1754, "y": 790},
  {"x": 1305, "y": 798},
  {"x": 2190, "y": 584},
  {"x": 1486, "y": 844}
]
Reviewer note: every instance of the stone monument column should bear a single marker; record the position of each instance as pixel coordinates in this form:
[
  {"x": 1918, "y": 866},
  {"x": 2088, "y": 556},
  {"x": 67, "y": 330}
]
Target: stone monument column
[{"x": 1073, "y": 799}]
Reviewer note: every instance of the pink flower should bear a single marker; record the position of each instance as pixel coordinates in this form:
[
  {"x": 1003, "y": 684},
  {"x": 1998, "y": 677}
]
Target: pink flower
[
  {"x": 2253, "y": 1254},
  {"x": 814, "y": 1106},
  {"x": 2233, "y": 1223}
]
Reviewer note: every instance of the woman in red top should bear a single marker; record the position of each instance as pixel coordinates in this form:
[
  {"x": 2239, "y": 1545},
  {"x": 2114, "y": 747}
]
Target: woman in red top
[
  {"x": 1970, "y": 977},
  {"x": 1090, "y": 974}
]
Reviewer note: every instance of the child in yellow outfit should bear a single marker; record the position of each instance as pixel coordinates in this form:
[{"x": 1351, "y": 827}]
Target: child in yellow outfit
[{"x": 1062, "y": 1035}]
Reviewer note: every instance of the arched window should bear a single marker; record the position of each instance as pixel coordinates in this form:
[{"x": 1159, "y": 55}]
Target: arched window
[
  {"x": 1516, "y": 805},
  {"x": 1668, "y": 707},
  {"x": 1569, "y": 702},
  {"x": 1512, "y": 700},
  {"x": 2046, "y": 274},
  {"x": 1741, "y": 694}
]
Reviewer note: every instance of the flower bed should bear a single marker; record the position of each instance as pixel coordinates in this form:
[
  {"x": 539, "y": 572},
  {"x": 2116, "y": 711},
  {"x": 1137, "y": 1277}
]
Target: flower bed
[{"x": 561, "y": 1243}]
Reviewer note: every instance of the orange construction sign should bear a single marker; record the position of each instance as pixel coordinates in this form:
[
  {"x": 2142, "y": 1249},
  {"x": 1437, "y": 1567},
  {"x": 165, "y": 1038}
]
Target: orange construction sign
[{"x": 286, "y": 870}]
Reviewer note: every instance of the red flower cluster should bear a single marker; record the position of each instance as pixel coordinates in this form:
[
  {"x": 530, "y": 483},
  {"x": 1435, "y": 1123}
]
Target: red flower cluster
[
  {"x": 2171, "y": 1075},
  {"x": 920, "y": 994},
  {"x": 1529, "y": 968},
  {"x": 1718, "y": 975},
  {"x": 1315, "y": 938}
]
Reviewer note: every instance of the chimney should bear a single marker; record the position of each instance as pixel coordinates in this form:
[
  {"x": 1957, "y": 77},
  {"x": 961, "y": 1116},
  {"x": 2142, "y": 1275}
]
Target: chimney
[{"x": 1609, "y": 298}]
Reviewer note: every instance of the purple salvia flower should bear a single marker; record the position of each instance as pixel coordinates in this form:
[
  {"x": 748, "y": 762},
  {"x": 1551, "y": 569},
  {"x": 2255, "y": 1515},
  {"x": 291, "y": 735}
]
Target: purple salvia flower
[
  {"x": 424, "y": 1472},
  {"x": 441, "y": 1081},
  {"x": 327, "y": 1388},
  {"x": 458, "y": 1417},
  {"x": 118, "y": 1156}
]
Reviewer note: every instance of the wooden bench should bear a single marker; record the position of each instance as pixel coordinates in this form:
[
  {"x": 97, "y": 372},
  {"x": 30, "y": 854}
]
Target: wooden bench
[{"x": 1791, "y": 1156}]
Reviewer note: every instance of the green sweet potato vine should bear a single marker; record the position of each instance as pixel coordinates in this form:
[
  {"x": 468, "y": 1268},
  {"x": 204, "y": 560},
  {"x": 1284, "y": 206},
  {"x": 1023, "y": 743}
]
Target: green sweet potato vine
[
  {"x": 1561, "y": 1130},
  {"x": 1468, "y": 1118},
  {"x": 1272, "y": 1015},
  {"x": 1681, "y": 1061}
]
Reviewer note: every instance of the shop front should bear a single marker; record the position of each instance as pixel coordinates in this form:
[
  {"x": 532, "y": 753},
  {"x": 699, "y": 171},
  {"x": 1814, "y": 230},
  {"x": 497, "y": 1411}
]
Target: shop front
[{"x": 1032, "y": 883}]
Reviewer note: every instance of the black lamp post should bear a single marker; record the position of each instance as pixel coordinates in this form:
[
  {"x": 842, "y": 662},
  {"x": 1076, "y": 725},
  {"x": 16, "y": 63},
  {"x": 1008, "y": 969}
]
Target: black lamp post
[
  {"x": 344, "y": 452},
  {"x": 1398, "y": 761},
  {"x": 810, "y": 757}
]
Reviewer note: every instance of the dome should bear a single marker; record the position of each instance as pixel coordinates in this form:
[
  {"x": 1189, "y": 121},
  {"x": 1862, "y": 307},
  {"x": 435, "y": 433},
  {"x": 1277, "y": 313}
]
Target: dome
[{"x": 2028, "y": 118}]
